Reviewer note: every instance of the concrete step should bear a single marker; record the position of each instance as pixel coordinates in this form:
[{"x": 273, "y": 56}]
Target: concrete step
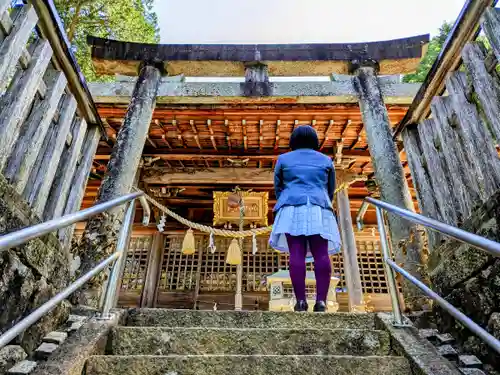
[
  {"x": 247, "y": 319},
  {"x": 242, "y": 365},
  {"x": 245, "y": 341}
]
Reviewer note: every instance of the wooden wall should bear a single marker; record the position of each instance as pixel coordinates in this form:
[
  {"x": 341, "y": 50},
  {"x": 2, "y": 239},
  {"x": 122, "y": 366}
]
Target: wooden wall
[
  {"x": 453, "y": 155},
  {"x": 46, "y": 144}
]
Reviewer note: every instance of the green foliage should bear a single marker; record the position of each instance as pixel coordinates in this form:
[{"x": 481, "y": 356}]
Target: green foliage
[
  {"x": 434, "y": 47},
  {"x": 128, "y": 20}
]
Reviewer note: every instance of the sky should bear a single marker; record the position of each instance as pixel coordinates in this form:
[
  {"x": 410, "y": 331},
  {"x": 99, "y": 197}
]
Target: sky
[{"x": 300, "y": 21}]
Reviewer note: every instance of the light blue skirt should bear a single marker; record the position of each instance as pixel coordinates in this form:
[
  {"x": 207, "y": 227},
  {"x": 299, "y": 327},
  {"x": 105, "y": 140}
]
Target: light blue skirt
[{"x": 305, "y": 220}]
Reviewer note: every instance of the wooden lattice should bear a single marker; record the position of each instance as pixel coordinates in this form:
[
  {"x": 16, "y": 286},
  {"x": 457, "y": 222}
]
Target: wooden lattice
[
  {"x": 136, "y": 263},
  {"x": 178, "y": 271}
]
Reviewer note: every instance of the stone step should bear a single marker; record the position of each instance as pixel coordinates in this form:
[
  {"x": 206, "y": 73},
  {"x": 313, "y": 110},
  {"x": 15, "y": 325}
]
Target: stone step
[
  {"x": 242, "y": 365},
  {"x": 247, "y": 319},
  {"x": 245, "y": 341}
]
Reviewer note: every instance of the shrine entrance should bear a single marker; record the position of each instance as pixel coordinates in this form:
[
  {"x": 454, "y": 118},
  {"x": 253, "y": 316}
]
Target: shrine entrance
[
  {"x": 206, "y": 138},
  {"x": 204, "y": 280}
]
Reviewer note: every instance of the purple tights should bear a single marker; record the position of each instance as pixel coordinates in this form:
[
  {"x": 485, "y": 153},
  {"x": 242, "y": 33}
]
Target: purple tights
[{"x": 322, "y": 266}]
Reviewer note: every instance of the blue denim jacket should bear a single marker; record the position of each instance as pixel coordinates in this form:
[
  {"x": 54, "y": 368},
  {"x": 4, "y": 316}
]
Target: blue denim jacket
[{"x": 302, "y": 174}]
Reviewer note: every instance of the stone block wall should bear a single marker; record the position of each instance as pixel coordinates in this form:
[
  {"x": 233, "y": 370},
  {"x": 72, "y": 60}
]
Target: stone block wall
[
  {"x": 30, "y": 274},
  {"x": 470, "y": 280}
]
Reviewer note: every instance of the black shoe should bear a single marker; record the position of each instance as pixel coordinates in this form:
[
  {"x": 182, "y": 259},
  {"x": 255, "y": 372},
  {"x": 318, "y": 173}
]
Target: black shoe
[
  {"x": 320, "y": 306},
  {"x": 301, "y": 306}
]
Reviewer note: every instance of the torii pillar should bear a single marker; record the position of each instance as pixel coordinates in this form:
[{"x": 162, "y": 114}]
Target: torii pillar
[
  {"x": 101, "y": 232},
  {"x": 389, "y": 174}
]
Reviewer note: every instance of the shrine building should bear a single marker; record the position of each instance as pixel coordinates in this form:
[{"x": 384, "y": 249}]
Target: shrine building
[{"x": 219, "y": 117}]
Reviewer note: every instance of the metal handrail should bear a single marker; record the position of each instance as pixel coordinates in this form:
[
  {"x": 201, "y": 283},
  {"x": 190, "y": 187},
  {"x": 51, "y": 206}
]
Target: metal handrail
[
  {"x": 48, "y": 306},
  {"x": 469, "y": 238},
  {"x": 481, "y": 243},
  {"x": 26, "y": 234}
]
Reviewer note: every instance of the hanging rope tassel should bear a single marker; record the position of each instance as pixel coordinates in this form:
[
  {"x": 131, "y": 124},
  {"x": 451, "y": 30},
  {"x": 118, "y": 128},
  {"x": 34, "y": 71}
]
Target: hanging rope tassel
[
  {"x": 254, "y": 245},
  {"x": 234, "y": 253},
  {"x": 211, "y": 243},
  {"x": 188, "y": 247}
]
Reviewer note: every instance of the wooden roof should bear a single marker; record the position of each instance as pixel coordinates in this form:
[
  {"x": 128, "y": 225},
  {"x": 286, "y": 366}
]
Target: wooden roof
[{"x": 193, "y": 150}]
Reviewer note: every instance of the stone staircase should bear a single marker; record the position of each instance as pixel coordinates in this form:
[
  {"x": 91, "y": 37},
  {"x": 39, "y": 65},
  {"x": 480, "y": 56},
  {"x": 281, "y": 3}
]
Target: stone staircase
[{"x": 168, "y": 342}]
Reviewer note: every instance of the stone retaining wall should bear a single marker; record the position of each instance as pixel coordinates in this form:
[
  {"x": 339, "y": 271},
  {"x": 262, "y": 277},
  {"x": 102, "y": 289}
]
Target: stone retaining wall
[
  {"x": 29, "y": 274},
  {"x": 470, "y": 279}
]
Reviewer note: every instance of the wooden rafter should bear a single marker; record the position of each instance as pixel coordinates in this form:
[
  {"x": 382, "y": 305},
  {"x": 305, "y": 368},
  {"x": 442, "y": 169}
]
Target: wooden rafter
[
  {"x": 228, "y": 134},
  {"x": 151, "y": 142},
  {"x": 277, "y": 140},
  {"x": 327, "y": 134},
  {"x": 244, "y": 128},
  {"x": 195, "y": 131},
  {"x": 179, "y": 133},
  {"x": 212, "y": 138},
  {"x": 164, "y": 135}
]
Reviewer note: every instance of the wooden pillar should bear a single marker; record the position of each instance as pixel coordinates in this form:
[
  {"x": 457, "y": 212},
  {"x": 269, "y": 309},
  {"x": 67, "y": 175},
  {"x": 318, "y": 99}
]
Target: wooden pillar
[
  {"x": 350, "y": 252},
  {"x": 153, "y": 270},
  {"x": 198, "y": 280},
  {"x": 100, "y": 235},
  {"x": 256, "y": 80},
  {"x": 406, "y": 241}
]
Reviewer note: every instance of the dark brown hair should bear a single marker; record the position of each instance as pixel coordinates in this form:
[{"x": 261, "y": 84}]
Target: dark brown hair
[{"x": 304, "y": 137}]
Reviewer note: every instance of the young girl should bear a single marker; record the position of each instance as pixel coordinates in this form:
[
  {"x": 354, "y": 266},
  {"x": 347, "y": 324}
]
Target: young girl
[{"x": 304, "y": 225}]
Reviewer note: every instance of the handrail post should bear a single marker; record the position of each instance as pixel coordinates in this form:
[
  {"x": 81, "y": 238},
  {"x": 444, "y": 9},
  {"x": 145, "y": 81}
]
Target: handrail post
[
  {"x": 391, "y": 280},
  {"x": 121, "y": 247}
]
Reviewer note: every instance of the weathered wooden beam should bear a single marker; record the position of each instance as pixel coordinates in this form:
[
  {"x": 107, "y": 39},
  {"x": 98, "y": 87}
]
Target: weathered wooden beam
[
  {"x": 101, "y": 232},
  {"x": 12, "y": 47},
  {"x": 79, "y": 180},
  {"x": 350, "y": 252},
  {"x": 217, "y": 175},
  {"x": 491, "y": 27},
  {"x": 440, "y": 177},
  {"x": 40, "y": 181},
  {"x": 250, "y": 176},
  {"x": 4, "y": 6},
  {"x": 421, "y": 179},
  {"x": 406, "y": 242},
  {"x": 17, "y": 101},
  {"x": 6, "y": 26},
  {"x": 476, "y": 139},
  {"x": 486, "y": 88},
  {"x": 360, "y": 155},
  {"x": 153, "y": 269},
  {"x": 465, "y": 187},
  {"x": 50, "y": 28},
  {"x": 465, "y": 29},
  {"x": 65, "y": 171},
  {"x": 33, "y": 132}
]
